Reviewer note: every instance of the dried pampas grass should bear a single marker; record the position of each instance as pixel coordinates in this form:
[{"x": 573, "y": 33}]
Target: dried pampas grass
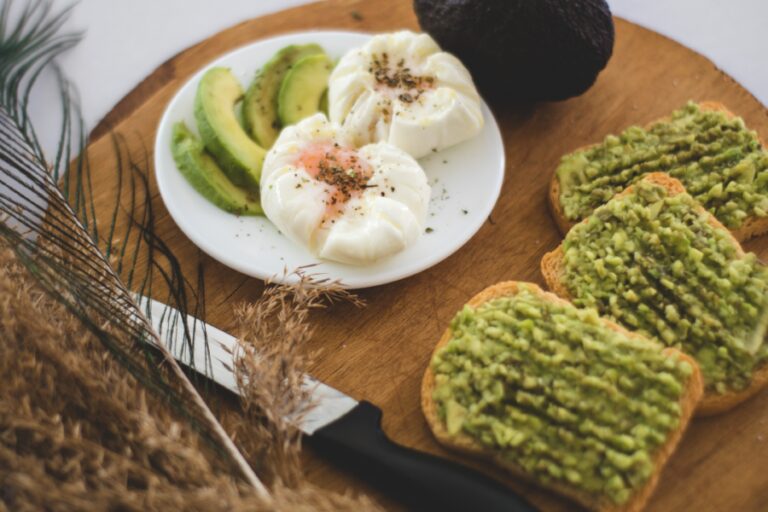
[
  {"x": 270, "y": 367},
  {"x": 77, "y": 432}
]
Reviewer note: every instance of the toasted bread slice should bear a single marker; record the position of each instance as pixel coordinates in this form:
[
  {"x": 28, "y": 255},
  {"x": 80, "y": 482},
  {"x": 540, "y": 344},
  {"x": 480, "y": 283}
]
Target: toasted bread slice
[
  {"x": 465, "y": 444},
  {"x": 553, "y": 269},
  {"x": 750, "y": 228}
]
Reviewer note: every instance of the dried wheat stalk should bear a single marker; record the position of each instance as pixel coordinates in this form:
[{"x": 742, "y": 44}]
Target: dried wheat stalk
[{"x": 77, "y": 432}]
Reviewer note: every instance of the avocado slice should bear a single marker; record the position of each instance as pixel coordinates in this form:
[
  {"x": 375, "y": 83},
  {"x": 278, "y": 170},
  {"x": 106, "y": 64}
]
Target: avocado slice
[
  {"x": 324, "y": 102},
  {"x": 260, "y": 103},
  {"x": 303, "y": 88},
  {"x": 239, "y": 156},
  {"x": 204, "y": 174}
]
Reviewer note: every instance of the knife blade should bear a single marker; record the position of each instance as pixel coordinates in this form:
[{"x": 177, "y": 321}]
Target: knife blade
[{"x": 347, "y": 431}]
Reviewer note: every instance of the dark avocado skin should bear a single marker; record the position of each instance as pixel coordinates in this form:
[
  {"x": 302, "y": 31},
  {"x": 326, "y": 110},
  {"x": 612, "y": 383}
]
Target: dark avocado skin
[{"x": 524, "y": 50}]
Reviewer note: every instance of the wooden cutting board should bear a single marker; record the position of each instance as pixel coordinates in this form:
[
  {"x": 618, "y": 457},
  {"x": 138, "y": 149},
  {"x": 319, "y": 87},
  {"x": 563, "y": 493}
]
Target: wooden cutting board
[{"x": 379, "y": 353}]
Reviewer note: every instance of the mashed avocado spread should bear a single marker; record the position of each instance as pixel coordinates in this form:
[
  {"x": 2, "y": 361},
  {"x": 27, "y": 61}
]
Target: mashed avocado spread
[
  {"x": 717, "y": 159},
  {"x": 553, "y": 389},
  {"x": 653, "y": 263}
]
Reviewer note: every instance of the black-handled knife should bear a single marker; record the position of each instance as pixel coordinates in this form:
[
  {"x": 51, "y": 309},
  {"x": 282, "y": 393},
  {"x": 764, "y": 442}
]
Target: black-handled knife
[{"x": 348, "y": 433}]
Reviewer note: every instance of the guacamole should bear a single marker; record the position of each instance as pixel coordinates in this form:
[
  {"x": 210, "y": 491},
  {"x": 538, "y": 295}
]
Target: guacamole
[
  {"x": 718, "y": 160},
  {"x": 555, "y": 390}
]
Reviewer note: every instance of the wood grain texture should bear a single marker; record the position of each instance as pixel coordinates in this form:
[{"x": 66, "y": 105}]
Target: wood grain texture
[{"x": 379, "y": 353}]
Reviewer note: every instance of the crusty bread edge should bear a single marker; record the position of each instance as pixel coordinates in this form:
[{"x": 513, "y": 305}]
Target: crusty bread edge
[
  {"x": 466, "y": 445},
  {"x": 752, "y": 226},
  {"x": 553, "y": 269}
]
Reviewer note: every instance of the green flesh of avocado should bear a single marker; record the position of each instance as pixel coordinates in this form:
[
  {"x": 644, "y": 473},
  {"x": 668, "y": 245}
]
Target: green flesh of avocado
[
  {"x": 239, "y": 156},
  {"x": 206, "y": 176},
  {"x": 324, "y": 103},
  {"x": 260, "y": 104},
  {"x": 651, "y": 262},
  {"x": 560, "y": 393},
  {"x": 302, "y": 88}
]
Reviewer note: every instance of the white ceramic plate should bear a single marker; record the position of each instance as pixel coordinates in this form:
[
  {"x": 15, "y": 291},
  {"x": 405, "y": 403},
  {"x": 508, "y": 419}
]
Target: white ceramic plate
[{"x": 466, "y": 180}]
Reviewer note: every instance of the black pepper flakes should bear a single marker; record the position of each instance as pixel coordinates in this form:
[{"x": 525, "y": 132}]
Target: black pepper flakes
[
  {"x": 347, "y": 181},
  {"x": 401, "y": 77}
]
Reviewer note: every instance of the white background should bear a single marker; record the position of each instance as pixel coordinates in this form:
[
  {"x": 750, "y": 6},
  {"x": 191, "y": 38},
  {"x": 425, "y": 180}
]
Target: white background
[{"x": 126, "y": 39}]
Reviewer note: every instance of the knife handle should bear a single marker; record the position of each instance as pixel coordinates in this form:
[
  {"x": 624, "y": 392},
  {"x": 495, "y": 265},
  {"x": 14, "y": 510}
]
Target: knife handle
[{"x": 423, "y": 481}]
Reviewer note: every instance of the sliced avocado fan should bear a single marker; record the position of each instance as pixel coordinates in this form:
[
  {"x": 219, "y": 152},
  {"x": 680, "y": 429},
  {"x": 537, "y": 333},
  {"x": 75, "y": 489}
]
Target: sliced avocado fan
[
  {"x": 202, "y": 172},
  {"x": 260, "y": 103},
  {"x": 223, "y": 136}
]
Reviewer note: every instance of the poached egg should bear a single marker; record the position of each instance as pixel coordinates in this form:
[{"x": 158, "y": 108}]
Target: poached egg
[
  {"x": 345, "y": 203},
  {"x": 402, "y": 89}
]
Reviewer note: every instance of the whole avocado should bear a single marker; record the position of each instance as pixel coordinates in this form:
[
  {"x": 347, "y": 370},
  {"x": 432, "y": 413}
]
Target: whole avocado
[{"x": 524, "y": 50}]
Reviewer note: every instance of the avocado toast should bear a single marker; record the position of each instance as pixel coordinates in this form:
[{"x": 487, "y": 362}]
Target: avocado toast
[
  {"x": 559, "y": 396},
  {"x": 719, "y": 161},
  {"x": 655, "y": 261}
]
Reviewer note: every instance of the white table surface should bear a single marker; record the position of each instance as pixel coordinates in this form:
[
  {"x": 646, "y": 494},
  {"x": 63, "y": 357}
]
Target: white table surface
[{"x": 126, "y": 40}]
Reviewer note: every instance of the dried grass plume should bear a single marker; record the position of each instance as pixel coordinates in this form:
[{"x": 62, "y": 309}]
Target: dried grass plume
[{"x": 77, "y": 432}]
